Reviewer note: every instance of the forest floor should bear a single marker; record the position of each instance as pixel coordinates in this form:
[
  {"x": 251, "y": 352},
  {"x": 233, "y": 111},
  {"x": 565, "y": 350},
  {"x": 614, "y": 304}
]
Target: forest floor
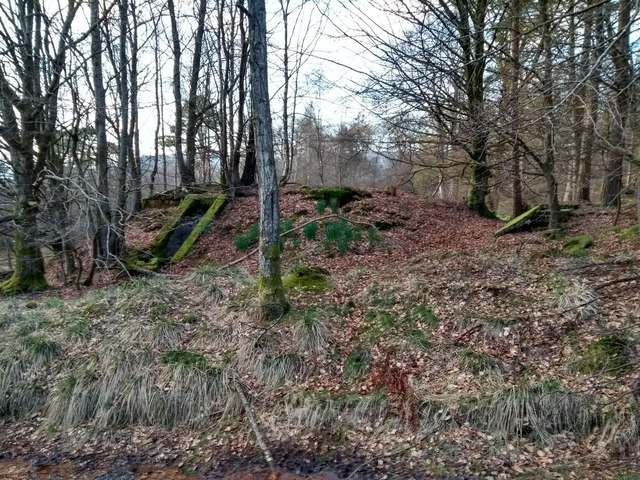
[{"x": 434, "y": 351}]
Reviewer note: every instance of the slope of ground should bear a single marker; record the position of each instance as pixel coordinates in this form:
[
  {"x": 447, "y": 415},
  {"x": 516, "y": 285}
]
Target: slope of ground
[{"x": 440, "y": 352}]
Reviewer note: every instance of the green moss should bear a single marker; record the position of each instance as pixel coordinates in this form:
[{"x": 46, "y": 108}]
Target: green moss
[
  {"x": 247, "y": 238},
  {"x": 184, "y": 358},
  {"x": 201, "y": 227},
  {"x": 339, "y": 196},
  {"x": 577, "y": 246},
  {"x": 526, "y": 221},
  {"x": 308, "y": 279},
  {"x": 610, "y": 355},
  {"x": 273, "y": 303}
]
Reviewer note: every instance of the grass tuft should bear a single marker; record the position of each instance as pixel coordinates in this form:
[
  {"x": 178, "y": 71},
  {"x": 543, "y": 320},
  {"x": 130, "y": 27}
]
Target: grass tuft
[
  {"x": 536, "y": 410},
  {"x": 478, "y": 363},
  {"x": 40, "y": 349},
  {"x": 310, "y": 331},
  {"x": 357, "y": 364}
]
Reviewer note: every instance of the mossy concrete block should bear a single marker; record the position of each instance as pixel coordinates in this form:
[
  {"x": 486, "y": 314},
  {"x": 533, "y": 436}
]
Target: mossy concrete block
[
  {"x": 577, "y": 246},
  {"x": 532, "y": 218},
  {"x": 342, "y": 195},
  {"x": 308, "y": 279},
  {"x": 192, "y": 204},
  {"x": 201, "y": 227}
]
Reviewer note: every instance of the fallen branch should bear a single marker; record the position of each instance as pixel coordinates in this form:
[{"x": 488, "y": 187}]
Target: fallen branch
[
  {"x": 254, "y": 425},
  {"x": 616, "y": 281},
  {"x": 468, "y": 332},
  {"x": 294, "y": 229}
]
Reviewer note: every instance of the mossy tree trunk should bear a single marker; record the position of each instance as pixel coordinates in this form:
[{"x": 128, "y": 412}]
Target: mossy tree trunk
[
  {"x": 270, "y": 290},
  {"x": 28, "y": 274}
]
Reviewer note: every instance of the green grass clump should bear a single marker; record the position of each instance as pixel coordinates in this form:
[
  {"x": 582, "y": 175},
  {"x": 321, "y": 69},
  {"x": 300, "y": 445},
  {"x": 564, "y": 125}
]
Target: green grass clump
[
  {"x": 631, "y": 233},
  {"x": 185, "y": 358},
  {"x": 417, "y": 338},
  {"x": 39, "y": 348},
  {"x": 339, "y": 235},
  {"x": 310, "y": 230},
  {"x": 610, "y": 355},
  {"x": 478, "y": 363},
  {"x": 577, "y": 246},
  {"x": 310, "y": 330},
  {"x": 422, "y": 314},
  {"x": 537, "y": 410},
  {"x": 357, "y": 364},
  {"x": 248, "y": 238},
  {"x": 78, "y": 329}
]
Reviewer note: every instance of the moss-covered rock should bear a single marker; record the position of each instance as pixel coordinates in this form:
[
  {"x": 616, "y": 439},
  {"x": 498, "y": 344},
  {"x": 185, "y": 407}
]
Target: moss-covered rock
[
  {"x": 308, "y": 279},
  {"x": 577, "y": 246},
  {"x": 175, "y": 239},
  {"x": 532, "y": 218},
  {"x": 201, "y": 227},
  {"x": 610, "y": 355},
  {"x": 341, "y": 195}
]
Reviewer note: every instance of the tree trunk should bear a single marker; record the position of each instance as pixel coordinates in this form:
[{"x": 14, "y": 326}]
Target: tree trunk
[
  {"x": 270, "y": 290},
  {"x": 619, "y": 116},
  {"x": 548, "y": 166},
  {"x": 192, "y": 103},
  {"x": 187, "y": 176}
]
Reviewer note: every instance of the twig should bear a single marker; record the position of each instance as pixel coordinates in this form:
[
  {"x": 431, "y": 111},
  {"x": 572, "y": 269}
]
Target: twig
[
  {"x": 254, "y": 425},
  {"x": 617, "y": 280},
  {"x": 468, "y": 332}
]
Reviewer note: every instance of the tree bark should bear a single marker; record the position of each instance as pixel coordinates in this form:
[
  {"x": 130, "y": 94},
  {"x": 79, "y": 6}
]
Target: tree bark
[
  {"x": 270, "y": 290},
  {"x": 620, "y": 56}
]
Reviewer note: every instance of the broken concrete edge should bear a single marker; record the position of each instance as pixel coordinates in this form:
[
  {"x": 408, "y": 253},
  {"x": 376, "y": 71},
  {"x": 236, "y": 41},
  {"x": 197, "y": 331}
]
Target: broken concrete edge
[
  {"x": 201, "y": 227},
  {"x": 188, "y": 206},
  {"x": 520, "y": 221}
]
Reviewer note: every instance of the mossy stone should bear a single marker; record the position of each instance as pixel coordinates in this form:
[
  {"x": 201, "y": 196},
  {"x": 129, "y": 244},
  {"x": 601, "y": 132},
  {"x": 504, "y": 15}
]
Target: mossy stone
[
  {"x": 577, "y": 246},
  {"x": 201, "y": 227},
  {"x": 308, "y": 279},
  {"x": 527, "y": 221},
  {"x": 609, "y": 355}
]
